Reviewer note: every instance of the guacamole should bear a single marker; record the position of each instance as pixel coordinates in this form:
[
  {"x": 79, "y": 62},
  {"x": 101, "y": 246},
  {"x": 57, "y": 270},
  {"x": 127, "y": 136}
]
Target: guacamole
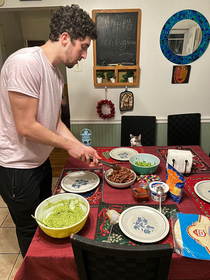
[{"x": 64, "y": 213}]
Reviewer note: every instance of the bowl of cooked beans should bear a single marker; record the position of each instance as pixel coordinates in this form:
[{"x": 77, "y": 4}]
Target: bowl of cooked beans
[{"x": 120, "y": 179}]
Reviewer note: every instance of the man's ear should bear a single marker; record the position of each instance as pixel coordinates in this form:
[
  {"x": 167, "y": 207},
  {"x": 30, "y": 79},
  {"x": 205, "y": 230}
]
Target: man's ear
[{"x": 64, "y": 38}]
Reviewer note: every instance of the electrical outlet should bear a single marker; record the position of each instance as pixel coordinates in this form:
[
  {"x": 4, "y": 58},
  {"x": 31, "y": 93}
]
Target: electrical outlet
[{"x": 78, "y": 67}]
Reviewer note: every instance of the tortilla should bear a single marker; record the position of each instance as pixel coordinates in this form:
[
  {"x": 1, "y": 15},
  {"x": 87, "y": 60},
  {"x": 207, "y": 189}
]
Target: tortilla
[
  {"x": 177, "y": 234},
  {"x": 198, "y": 231}
]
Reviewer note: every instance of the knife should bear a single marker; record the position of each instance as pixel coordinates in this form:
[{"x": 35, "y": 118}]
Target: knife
[{"x": 113, "y": 166}]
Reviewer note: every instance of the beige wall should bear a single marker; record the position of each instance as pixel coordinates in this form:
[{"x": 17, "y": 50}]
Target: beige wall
[
  {"x": 35, "y": 24},
  {"x": 155, "y": 94},
  {"x": 12, "y": 36},
  {"x": 25, "y": 25}
]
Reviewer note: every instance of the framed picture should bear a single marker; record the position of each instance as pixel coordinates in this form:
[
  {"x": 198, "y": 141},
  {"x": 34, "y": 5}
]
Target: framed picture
[
  {"x": 181, "y": 74},
  {"x": 126, "y": 101}
]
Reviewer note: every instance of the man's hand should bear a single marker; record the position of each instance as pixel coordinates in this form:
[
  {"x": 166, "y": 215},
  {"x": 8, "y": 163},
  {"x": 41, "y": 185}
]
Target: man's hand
[{"x": 82, "y": 152}]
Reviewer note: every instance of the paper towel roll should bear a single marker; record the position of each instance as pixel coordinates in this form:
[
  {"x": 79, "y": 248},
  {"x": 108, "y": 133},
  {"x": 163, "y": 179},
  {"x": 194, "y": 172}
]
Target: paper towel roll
[{"x": 181, "y": 160}]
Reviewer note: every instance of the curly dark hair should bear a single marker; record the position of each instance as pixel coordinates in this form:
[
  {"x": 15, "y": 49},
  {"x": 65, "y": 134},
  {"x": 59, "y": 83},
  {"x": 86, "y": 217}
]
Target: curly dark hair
[{"x": 73, "y": 20}]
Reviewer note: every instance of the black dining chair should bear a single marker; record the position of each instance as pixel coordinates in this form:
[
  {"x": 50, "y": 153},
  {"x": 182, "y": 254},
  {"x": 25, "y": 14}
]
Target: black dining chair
[
  {"x": 184, "y": 129},
  {"x": 144, "y": 125},
  {"x": 104, "y": 261}
]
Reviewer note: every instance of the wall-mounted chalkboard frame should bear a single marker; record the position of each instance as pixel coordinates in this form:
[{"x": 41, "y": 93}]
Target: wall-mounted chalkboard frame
[{"x": 118, "y": 36}]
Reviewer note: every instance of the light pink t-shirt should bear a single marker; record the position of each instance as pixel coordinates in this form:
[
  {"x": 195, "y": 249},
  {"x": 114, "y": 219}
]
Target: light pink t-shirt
[{"x": 28, "y": 71}]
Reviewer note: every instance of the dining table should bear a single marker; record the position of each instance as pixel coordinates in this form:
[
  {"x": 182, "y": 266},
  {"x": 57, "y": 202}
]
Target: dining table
[{"x": 53, "y": 258}]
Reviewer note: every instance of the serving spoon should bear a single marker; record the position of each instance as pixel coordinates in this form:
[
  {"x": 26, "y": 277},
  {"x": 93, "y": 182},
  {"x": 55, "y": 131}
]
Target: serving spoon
[
  {"x": 160, "y": 192},
  {"x": 113, "y": 216},
  {"x": 39, "y": 221}
]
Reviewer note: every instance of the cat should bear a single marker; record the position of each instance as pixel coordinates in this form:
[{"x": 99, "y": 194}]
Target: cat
[{"x": 135, "y": 140}]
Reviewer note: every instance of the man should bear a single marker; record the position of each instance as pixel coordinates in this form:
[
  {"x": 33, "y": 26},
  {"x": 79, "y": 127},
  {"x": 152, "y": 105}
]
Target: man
[{"x": 30, "y": 117}]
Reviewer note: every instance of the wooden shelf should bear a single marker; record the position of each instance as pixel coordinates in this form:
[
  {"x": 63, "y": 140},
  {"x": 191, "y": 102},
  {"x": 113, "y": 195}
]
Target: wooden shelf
[{"x": 119, "y": 71}]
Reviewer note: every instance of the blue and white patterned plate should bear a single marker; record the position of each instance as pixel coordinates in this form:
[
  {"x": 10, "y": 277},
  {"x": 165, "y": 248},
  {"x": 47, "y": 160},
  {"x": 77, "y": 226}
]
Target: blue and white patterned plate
[
  {"x": 122, "y": 154},
  {"x": 144, "y": 224},
  {"x": 80, "y": 181}
]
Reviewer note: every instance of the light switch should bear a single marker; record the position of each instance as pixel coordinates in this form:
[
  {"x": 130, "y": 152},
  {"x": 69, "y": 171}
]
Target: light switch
[{"x": 78, "y": 67}]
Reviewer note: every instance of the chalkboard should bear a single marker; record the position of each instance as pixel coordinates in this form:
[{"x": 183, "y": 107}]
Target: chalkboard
[{"x": 118, "y": 36}]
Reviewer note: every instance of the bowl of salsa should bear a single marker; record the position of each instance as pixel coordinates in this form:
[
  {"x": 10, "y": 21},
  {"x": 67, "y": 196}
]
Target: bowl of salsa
[{"x": 140, "y": 191}]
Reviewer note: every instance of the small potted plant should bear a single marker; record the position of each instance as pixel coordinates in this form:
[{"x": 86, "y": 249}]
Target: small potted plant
[
  {"x": 111, "y": 76},
  {"x": 100, "y": 76},
  {"x": 129, "y": 76}
]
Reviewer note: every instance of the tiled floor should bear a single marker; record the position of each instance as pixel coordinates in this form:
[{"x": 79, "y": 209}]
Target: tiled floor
[{"x": 10, "y": 256}]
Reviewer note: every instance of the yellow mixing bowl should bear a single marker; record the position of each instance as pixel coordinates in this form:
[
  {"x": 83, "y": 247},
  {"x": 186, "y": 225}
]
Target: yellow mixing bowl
[{"x": 42, "y": 211}]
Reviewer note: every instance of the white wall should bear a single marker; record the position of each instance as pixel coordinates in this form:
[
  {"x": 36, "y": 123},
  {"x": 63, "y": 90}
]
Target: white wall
[{"x": 155, "y": 94}]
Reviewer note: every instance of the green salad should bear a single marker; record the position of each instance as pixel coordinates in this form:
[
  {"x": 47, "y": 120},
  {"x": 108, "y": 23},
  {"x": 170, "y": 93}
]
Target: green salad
[{"x": 143, "y": 163}]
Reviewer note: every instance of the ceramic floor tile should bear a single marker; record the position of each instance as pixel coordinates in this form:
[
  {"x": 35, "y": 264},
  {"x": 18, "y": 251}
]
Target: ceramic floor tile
[
  {"x": 8, "y": 222},
  {"x": 16, "y": 267},
  {"x": 8, "y": 241},
  {"x": 2, "y": 203},
  {"x": 4, "y": 212},
  {"x": 7, "y": 262}
]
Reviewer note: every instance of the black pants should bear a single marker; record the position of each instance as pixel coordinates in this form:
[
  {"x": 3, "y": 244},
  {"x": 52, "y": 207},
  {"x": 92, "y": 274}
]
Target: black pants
[{"x": 23, "y": 190}]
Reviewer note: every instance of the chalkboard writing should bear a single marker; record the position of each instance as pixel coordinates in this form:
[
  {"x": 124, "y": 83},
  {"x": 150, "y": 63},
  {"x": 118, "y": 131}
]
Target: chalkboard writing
[{"x": 117, "y": 37}]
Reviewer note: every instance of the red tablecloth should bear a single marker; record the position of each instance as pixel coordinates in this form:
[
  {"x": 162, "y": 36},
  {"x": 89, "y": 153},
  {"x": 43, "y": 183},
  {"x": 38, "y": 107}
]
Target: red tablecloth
[{"x": 50, "y": 258}]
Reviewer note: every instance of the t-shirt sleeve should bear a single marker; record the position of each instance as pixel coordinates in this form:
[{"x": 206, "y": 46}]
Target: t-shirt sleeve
[{"x": 24, "y": 75}]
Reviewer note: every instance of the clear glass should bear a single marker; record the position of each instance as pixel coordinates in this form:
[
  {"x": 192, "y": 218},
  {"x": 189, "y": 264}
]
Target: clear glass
[{"x": 140, "y": 192}]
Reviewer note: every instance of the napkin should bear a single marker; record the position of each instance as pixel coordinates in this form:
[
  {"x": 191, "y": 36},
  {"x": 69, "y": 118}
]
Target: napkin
[{"x": 181, "y": 160}]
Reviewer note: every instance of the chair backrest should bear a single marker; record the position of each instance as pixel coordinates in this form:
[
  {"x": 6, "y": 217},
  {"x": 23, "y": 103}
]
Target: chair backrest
[
  {"x": 144, "y": 125},
  {"x": 104, "y": 261},
  {"x": 184, "y": 129}
]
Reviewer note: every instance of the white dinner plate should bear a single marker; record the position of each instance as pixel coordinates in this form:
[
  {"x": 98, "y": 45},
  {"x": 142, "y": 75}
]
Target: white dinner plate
[
  {"x": 202, "y": 189},
  {"x": 80, "y": 181},
  {"x": 144, "y": 224},
  {"x": 123, "y": 154}
]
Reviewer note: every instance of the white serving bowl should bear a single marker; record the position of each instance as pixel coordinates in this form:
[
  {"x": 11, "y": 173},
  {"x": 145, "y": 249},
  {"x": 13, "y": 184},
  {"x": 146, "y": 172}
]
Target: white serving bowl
[
  {"x": 119, "y": 185},
  {"x": 42, "y": 211}
]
